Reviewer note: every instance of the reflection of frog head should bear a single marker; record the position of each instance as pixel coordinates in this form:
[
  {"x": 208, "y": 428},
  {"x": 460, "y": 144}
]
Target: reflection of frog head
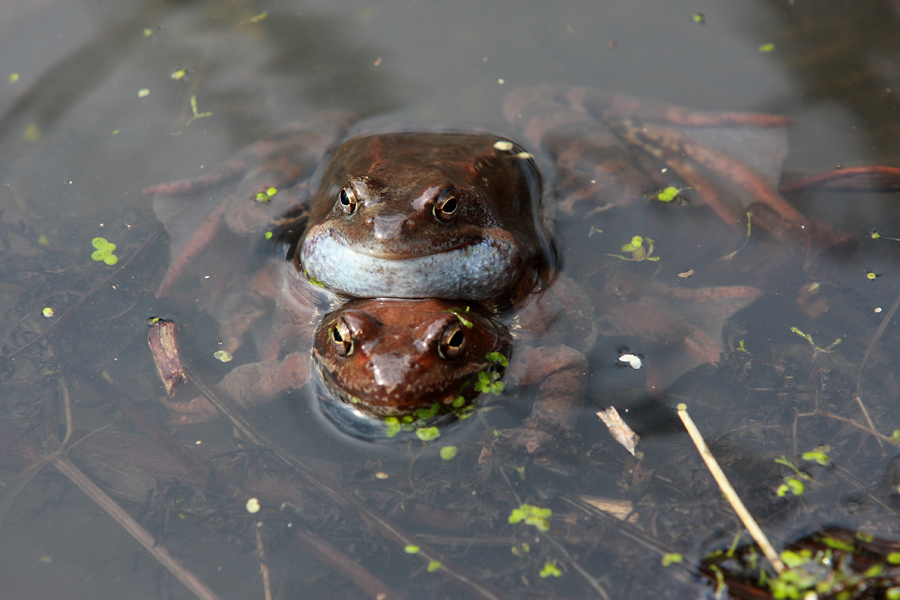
[
  {"x": 401, "y": 358},
  {"x": 420, "y": 215}
]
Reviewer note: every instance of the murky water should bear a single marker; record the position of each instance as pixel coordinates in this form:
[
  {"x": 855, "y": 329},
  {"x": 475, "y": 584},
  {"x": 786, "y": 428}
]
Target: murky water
[{"x": 96, "y": 105}]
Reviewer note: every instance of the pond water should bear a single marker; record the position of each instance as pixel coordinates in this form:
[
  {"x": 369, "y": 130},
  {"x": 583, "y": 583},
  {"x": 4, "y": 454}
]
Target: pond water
[{"x": 96, "y": 104}]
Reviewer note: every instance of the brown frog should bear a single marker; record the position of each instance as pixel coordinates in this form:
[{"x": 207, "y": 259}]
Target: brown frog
[
  {"x": 403, "y": 215},
  {"x": 409, "y": 363},
  {"x": 421, "y": 215}
]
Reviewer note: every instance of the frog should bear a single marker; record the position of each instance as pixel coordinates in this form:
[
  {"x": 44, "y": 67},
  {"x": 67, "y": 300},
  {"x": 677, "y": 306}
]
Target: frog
[
  {"x": 435, "y": 358},
  {"x": 420, "y": 215},
  {"x": 395, "y": 214},
  {"x": 387, "y": 361}
]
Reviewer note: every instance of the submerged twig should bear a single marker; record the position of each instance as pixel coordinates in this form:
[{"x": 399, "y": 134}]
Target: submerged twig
[
  {"x": 263, "y": 567},
  {"x": 725, "y": 486},
  {"x": 341, "y": 563},
  {"x": 876, "y": 337},
  {"x": 55, "y": 453},
  {"x": 141, "y": 535},
  {"x": 53, "y": 448}
]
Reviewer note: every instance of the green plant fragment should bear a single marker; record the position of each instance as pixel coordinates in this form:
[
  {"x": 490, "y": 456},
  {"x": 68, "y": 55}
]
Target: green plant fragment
[
  {"x": 838, "y": 544},
  {"x": 795, "y": 559},
  {"x": 668, "y": 194},
  {"x": 427, "y": 413},
  {"x": 671, "y": 558},
  {"x": 550, "y": 570},
  {"x": 426, "y": 434},
  {"x": 531, "y": 515},
  {"x": 817, "y": 456},
  {"x": 496, "y": 357},
  {"x": 393, "y": 427}
]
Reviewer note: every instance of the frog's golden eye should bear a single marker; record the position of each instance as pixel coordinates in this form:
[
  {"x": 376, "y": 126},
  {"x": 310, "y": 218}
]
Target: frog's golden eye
[
  {"x": 445, "y": 206},
  {"x": 348, "y": 200},
  {"x": 342, "y": 338},
  {"x": 452, "y": 342}
]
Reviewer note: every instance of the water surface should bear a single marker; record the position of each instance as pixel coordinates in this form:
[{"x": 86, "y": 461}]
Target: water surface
[{"x": 92, "y": 113}]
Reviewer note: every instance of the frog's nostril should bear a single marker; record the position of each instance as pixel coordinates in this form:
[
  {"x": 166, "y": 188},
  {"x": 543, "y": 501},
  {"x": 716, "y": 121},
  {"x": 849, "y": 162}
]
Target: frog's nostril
[{"x": 386, "y": 227}]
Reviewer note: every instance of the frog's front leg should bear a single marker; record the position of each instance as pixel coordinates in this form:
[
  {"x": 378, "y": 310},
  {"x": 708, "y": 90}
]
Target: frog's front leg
[
  {"x": 560, "y": 374},
  {"x": 248, "y": 193},
  {"x": 247, "y": 386}
]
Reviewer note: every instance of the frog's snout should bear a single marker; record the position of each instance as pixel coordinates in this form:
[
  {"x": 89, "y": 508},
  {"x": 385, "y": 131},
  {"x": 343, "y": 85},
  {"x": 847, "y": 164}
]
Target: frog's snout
[{"x": 388, "y": 227}]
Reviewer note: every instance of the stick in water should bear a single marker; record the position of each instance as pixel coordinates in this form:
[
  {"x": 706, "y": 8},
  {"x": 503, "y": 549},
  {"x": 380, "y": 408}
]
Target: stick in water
[{"x": 743, "y": 514}]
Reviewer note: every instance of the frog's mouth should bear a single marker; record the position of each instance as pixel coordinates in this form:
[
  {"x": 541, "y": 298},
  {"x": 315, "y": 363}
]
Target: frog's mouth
[{"x": 477, "y": 271}]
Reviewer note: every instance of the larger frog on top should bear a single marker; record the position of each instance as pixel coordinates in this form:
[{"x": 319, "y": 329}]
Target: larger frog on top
[{"x": 453, "y": 216}]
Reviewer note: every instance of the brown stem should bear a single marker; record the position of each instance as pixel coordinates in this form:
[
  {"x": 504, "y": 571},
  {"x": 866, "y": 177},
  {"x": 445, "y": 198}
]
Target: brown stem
[{"x": 141, "y": 535}]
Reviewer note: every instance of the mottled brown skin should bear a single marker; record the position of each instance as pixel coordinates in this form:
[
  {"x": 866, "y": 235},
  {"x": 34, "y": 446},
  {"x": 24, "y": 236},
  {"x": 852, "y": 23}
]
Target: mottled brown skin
[
  {"x": 450, "y": 215},
  {"x": 396, "y": 364},
  {"x": 392, "y": 356},
  {"x": 400, "y": 175}
]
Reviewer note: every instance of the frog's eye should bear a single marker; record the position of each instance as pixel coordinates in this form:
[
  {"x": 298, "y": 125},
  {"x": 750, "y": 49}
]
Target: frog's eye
[
  {"x": 445, "y": 206},
  {"x": 452, "y": 342},
  {"x": 342, "y": 338},
  {"x": 348, "y": 200}
]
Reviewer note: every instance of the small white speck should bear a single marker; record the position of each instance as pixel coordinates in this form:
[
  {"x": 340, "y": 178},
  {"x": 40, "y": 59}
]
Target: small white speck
[
  {"x": 500, "y": 81},
  {"x": 143, "y": 92},
  {"x": 632, "y": 360},
  {"x": 206, "y": 277},
  {"x": 198, "y": 442},
  {"x": 503, "y": 145},
  {"x": 878, "y": 310},
  {"x": 253, "y": 506}
]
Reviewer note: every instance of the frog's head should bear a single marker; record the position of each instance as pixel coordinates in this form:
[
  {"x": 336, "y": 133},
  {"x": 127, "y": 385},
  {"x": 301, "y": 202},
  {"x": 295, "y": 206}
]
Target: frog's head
[
  {"x": 421, "y": 215},
  {"x": 389, "y": 357}
]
